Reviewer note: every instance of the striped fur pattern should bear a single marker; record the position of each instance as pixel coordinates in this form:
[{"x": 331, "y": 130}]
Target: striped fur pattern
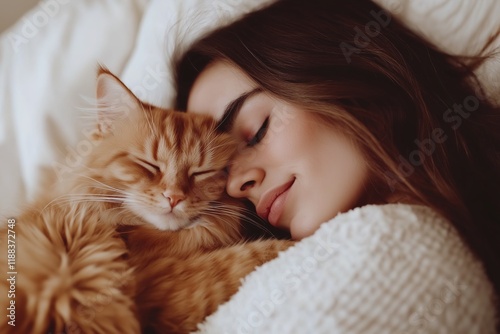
[
  {"x": 140, "y": 237},
  {"x": 175, "y": 293}
]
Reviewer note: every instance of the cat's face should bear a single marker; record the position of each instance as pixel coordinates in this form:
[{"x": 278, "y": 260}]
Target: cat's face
[{"x": 166, "y": 166}]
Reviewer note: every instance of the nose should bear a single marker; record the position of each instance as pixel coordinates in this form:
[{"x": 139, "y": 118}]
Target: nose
[
  {"x": 243, "y": 179},
  {"x": 174, "y": 197}
]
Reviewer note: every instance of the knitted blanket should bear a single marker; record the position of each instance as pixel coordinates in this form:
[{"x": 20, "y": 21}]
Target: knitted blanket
[{"x": 377, "y": 269}]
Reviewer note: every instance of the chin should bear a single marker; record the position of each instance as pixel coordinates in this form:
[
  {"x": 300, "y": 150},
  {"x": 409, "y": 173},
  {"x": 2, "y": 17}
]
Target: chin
[{"x": 303, "y": 230}]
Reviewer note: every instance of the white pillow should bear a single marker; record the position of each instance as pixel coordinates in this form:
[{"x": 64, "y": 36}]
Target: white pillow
[
  {"x": 460, "y": 27},
  {"x": 44, "y": 78}
]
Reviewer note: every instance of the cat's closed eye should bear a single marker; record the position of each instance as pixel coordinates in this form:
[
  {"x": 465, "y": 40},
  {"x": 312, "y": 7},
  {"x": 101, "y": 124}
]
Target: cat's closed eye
[{"x": 149, "y": 166}]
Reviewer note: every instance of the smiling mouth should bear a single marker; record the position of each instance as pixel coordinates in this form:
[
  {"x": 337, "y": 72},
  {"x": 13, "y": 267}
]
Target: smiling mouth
[{"x": 272, "y": 204}]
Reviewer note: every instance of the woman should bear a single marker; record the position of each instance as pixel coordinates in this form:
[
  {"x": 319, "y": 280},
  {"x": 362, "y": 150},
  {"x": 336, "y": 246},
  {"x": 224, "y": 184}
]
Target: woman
[{"x": 338, "y": 106}]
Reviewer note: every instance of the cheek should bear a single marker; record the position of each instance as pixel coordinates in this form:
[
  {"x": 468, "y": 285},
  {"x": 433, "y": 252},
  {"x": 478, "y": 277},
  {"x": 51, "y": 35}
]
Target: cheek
[
  {"x": 303, "y": 226},
  {"x": 333, "y": 187},
  {"x": 283, "y": 141}
]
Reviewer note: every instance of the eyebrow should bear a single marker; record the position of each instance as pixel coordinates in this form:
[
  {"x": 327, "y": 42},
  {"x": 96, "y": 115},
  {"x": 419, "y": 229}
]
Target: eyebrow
[{"x": 232, "y": 110}]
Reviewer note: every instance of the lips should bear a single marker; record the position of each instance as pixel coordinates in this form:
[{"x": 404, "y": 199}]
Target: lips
[{"x": 271, "y": 204}]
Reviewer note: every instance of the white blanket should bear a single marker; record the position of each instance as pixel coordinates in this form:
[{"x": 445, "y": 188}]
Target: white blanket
[{"x": 377, "y": 269}]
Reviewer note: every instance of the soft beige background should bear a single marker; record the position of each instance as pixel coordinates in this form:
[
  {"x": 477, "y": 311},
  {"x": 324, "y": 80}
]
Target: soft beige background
[{"x": 12, "y": 10}]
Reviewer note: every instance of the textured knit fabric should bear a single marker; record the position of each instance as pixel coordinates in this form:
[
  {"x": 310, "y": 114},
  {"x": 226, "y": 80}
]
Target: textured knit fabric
[{"x": 376, "y": 269}]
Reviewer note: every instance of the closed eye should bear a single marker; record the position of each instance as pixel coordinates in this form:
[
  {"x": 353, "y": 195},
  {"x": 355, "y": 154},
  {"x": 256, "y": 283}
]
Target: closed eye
[{"x": 147, "y": 165}]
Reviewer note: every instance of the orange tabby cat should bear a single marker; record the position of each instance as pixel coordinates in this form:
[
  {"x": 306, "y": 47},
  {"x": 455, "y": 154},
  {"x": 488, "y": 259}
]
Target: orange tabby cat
[{"x": 161, "y": 172}]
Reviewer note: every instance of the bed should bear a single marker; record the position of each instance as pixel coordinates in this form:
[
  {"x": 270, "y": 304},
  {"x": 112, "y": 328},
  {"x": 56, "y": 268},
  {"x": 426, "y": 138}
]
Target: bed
[{"x": 48, "y": 61}]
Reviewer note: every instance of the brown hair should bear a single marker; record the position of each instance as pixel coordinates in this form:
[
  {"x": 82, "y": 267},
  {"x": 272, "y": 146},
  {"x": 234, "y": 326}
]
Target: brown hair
[{"x": 419, "y": 115}]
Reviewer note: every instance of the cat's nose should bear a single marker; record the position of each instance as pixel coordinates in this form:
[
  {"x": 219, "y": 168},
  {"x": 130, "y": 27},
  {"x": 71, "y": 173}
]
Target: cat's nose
[{"x": 174, "y": 198}]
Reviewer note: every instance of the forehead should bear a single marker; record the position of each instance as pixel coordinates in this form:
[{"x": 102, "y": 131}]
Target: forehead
[{"x": 216, "y": 87}]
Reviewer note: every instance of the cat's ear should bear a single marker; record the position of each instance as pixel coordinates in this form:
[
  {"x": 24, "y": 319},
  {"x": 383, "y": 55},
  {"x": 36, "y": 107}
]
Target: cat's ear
[{"x": 114, "y": 101}]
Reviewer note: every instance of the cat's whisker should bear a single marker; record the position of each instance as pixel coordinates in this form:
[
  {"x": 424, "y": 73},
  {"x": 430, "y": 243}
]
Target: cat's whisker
[
  {"x": 88, "y": 109},
  {"x": 53, "y": 202},
  {"x": 82, "y": 200},
  {"x": 105, "y": 191},
  {"x": 230, "y": 222},
  {"x": 142, "y": 203},
  {"x": 60, "y": 199},
  {"x": 212, "y": 137},
  {"x": 213, "y": 148},
  {"x": 226, "y": 213},
  {"x": 227, "y": 222},
  {"x": 83, "y": 214},
  {"x": 233, "y": 207},
  {"x": 82, "y": 195},
  {"x": 98, "y": 196},
  {"x": 231, "y": 218},
  {"x": 227, "y": 218},
  {"x": 139, "y": 197},
  {"x": 98, "y": 107},
  {"x": 235, "y": 210},
  {"x": 117, "y": 191}
]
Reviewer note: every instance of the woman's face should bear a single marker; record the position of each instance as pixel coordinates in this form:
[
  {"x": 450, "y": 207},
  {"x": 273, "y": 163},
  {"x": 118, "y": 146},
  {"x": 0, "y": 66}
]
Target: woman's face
[{"x": 296, "y": 170}]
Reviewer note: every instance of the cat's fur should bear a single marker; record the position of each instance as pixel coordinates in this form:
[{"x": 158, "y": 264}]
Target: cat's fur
[{"x": 161, "y": 175}]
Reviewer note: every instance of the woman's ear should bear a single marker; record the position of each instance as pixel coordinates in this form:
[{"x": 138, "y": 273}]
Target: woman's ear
[{"x": 114, "y": 101}]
